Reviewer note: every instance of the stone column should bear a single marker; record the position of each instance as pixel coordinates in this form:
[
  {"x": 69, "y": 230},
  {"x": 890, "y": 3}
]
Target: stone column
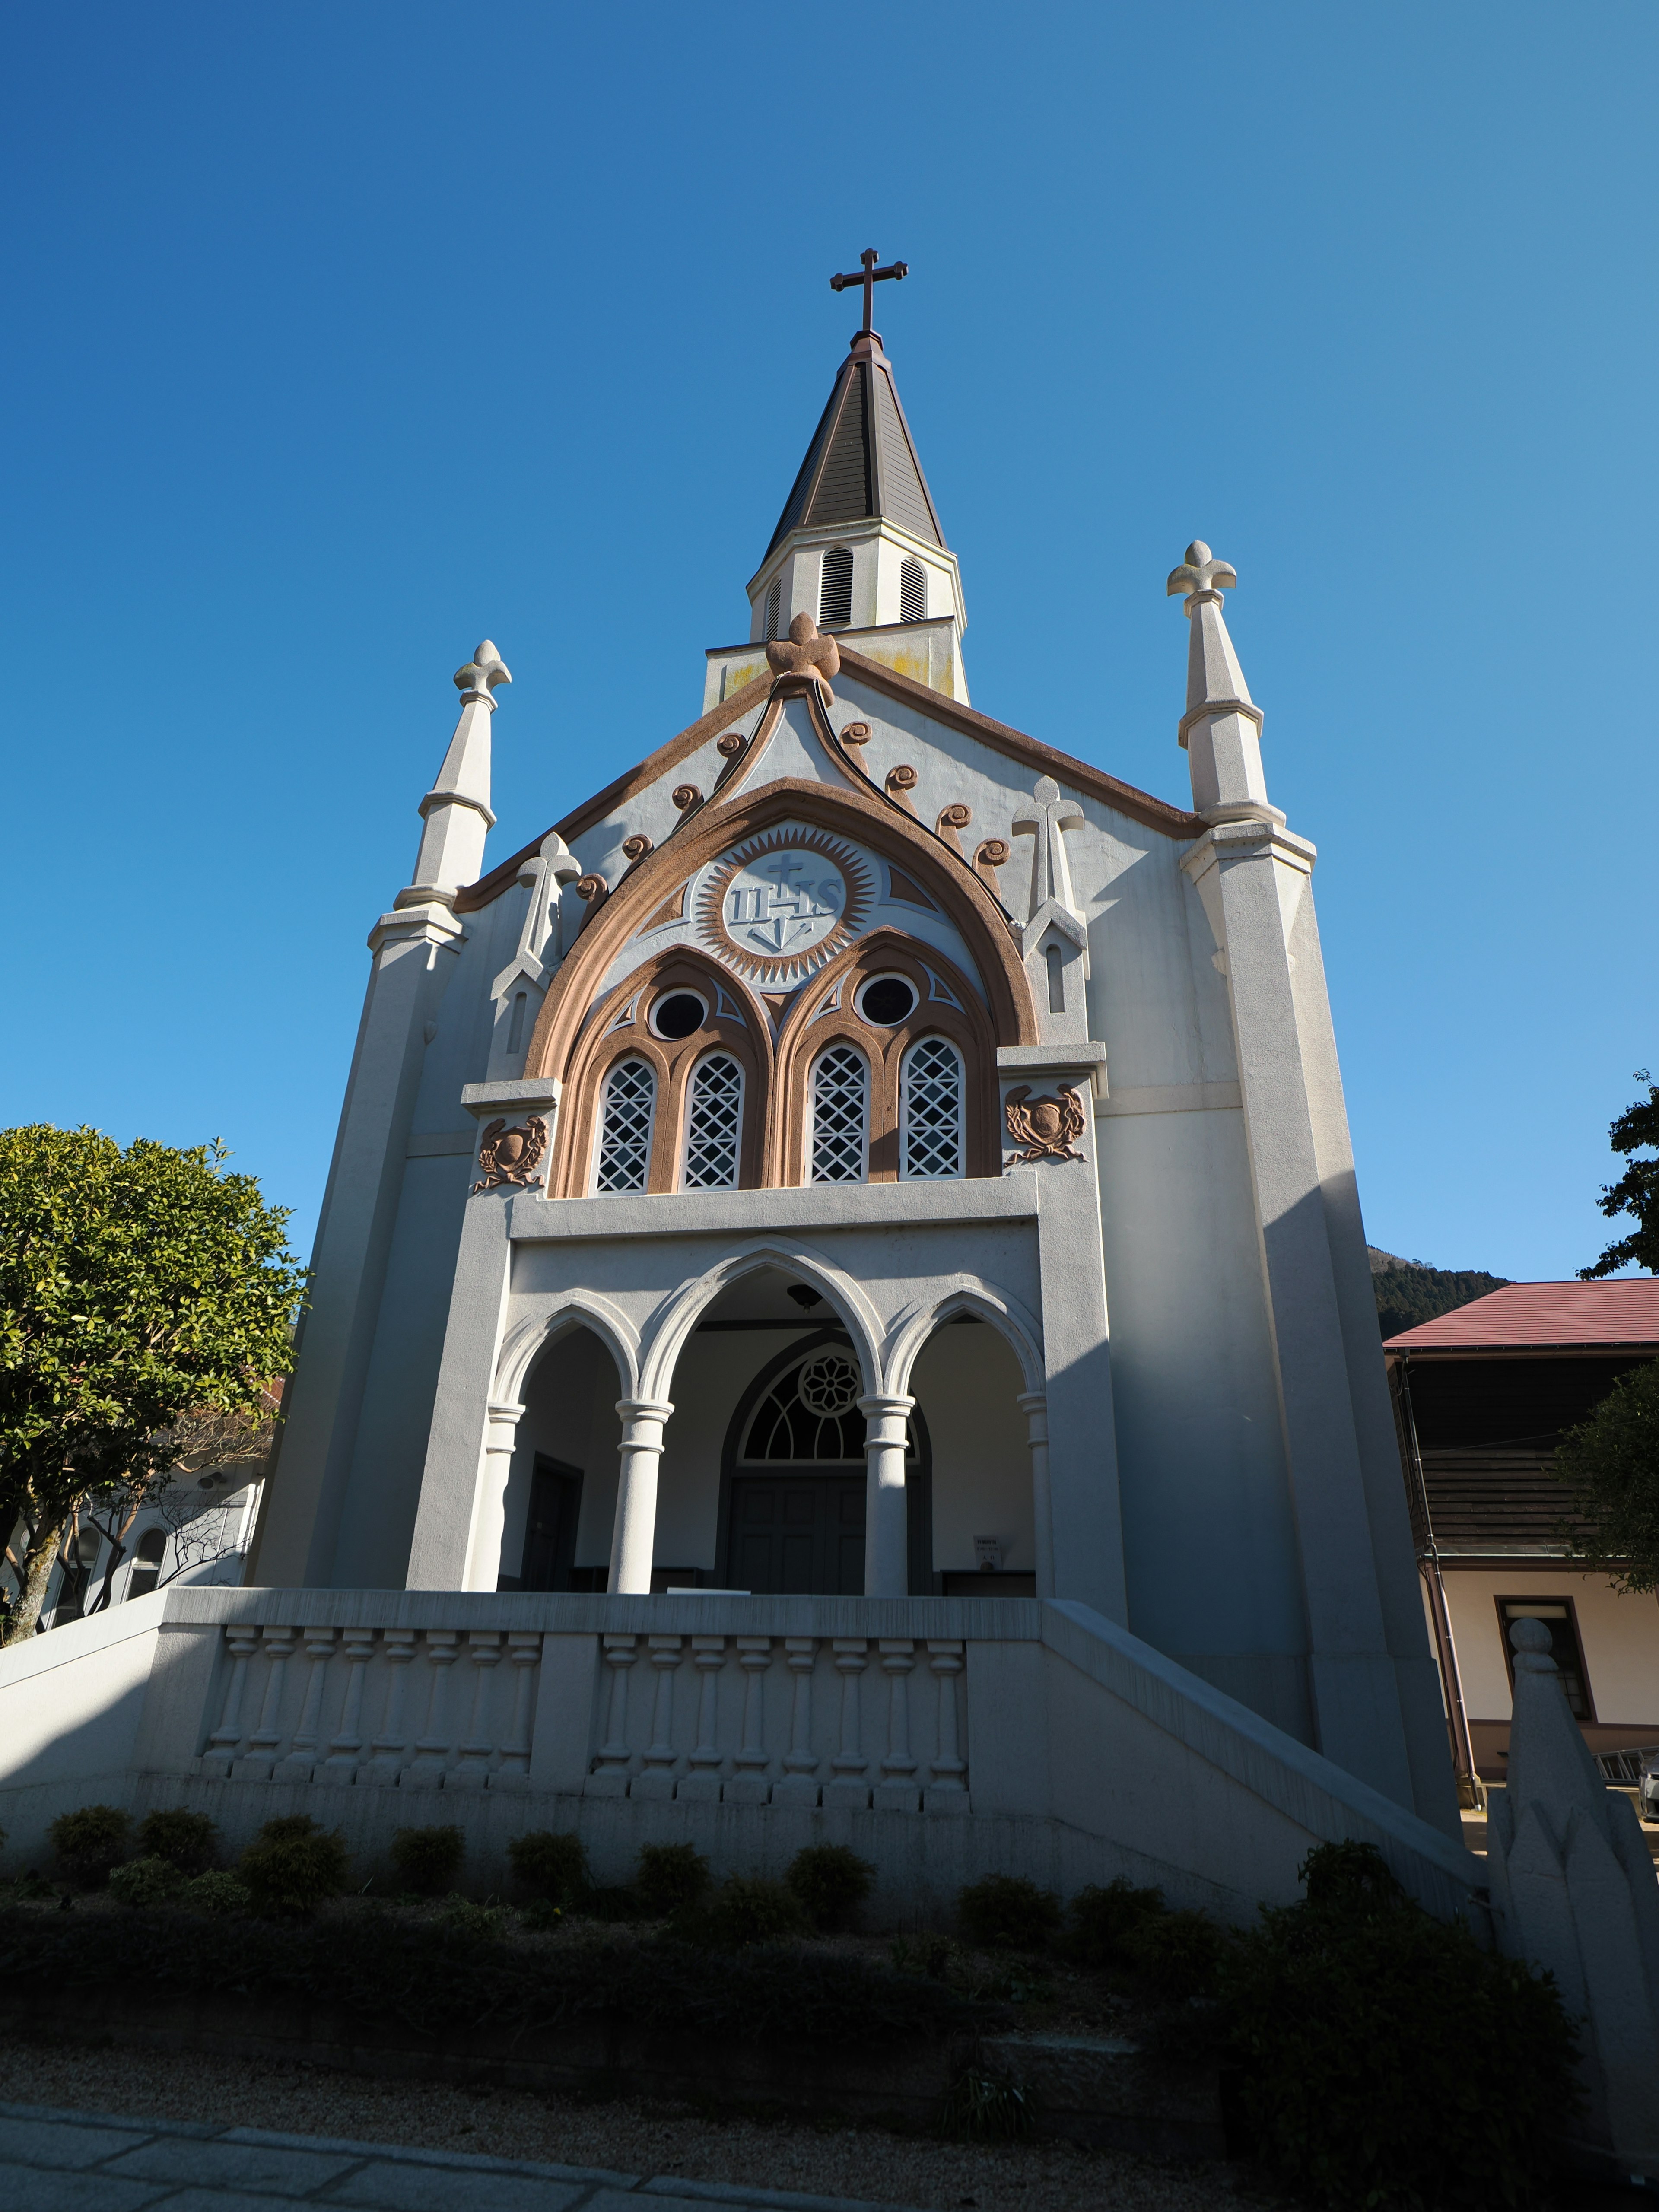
[
  {"x": 948, "y": 1790},
  {"x": 749, "y": 1785},
  {"x": 429, "y": 1765},
  {"x": 399, "y": 1644},
  {"x": 799, "y": 1784},
  {"x": 258, "y": 1761},
  {"x": 897, "y": 1788},
  {"x": 610, "y": 1775},
  {"x": 483, "y": 1649},
  {"x": 656, "y": 1775},
  {"x": 341, "y": 1764},
  {"x": 524, "y": 1648},
  {"x": 886, "y": 1544},
  {"x": 483, "y": 1557},
  {"x": 636, "y": 1530},
  {"x": 850, "y": 1767},
  {"x": 1034, "y": 1404},
  {"x": 703, "y": 1781},
  {"x": 241, "y": 1644},
  {"x": 302, "y": 1759}
]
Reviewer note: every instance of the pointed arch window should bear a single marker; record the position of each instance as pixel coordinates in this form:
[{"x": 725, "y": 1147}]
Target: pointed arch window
[
  {"x": 774, "y": 608},
  {"x": 913, "y": 592},
  {"x": 931, "y": 1110},
  {"x": 812, "y": 1413},
  {"x": 840, "y": 1146},
  {"x": 630, "y": 1101},
  {"x": 835, "y": 591},
  {"x": 714, "y": 1125}
]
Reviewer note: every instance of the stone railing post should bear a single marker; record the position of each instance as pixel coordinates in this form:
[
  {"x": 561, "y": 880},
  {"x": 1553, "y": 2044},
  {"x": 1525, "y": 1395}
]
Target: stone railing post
[
  {"x": 259, "y": 1761},
  {"x": 948, "y": 1790},
  {"x": 341, "y": 1764},
  {"x": 886, "y": 1544},
  {"x": 389, "y": 1746},
  {"x": 428, "y": 1768},
  {"x": 656, "y": 1776},
  {"x": 610, "y": 1775},
  {"x": 241, "y": 1644},
  {"x": 799, "y": 1784},
  {"x": 850, "y": 1769},
  {"x": 634, "y": 1541},
  {"x": 749, "y": 1785},
  {"x": 897, "y": 1790},
  {"x": 483, "y": 1649},
  {"x": 524, "y": 1648},
  {"x": 703, "y": 1781},
  {"x": 1034, "y": 1406},
  {"x": 302, "y": 1759}
]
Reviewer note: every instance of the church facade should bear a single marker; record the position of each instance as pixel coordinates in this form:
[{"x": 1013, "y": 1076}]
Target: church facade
[{"x": 867, "y": 1154}]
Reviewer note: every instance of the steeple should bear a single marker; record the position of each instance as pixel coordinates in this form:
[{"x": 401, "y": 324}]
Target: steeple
[
  {"x": 1221, "y": 728},
  {"x": 857, "y": 545}
]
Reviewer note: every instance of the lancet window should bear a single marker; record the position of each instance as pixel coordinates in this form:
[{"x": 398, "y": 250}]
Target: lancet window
[
  {"x": 714, "y": 1125},
  {"x": 840, "y": 1115},
  {"x": 631, "y": 1099},
  {"x": 931, "y": 1110}
]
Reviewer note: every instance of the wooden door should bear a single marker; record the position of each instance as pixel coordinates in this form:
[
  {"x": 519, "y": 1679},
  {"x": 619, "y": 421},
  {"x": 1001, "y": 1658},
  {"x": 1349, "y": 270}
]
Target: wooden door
[{"x": 797, "y": 1534}]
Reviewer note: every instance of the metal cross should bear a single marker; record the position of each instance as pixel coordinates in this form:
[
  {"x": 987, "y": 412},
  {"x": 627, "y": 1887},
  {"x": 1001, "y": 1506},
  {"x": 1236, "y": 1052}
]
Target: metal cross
[{"x": 870, "y": 279}]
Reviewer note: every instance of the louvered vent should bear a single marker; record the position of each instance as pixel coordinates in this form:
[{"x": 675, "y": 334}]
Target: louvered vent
[
  {"x": 913, "y": 592},
  {"x": 835, "y": 594},
  {"x": 774, "y": 607}
]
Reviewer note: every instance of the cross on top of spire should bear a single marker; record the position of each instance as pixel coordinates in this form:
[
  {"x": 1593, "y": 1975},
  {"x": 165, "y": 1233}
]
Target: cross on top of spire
[{"x": 871, "y": 277}]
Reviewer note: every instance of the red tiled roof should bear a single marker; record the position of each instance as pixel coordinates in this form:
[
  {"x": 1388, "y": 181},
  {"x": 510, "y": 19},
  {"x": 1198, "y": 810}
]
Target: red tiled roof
[{"x": 1623, "y": 1310}]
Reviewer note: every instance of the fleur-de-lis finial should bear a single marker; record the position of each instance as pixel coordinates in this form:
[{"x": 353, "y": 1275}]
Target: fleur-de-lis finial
[
  {"x": 1201, "y": 576},
  {"x": 483, "y": 672},
  {"x": 804, "y": 653}
]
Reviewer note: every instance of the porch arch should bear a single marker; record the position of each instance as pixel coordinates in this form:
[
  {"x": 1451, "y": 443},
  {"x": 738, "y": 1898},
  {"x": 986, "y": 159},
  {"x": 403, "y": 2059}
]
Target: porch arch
[
  {"x": 675, "y": 1320},
  {"x": 526, "y": 1341},
  {"x": 965, "y": 1294}
]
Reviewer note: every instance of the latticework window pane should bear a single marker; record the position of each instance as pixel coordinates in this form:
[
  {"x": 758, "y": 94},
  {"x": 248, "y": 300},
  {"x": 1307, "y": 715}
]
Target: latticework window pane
[
  {"x": 841, "y": 1097},
  {"x": 932, "y": 1109},
  {"x": 713, "y": 1124},
  {"x": 630, "y": 1098}
]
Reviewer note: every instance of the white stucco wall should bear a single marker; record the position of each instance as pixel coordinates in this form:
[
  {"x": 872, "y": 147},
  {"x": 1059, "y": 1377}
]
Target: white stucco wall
[{"x": 1618, "y": 1635}]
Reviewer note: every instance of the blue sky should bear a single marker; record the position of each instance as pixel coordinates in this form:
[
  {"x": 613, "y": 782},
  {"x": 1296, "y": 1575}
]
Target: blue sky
[{"x": 341, "y": 336}]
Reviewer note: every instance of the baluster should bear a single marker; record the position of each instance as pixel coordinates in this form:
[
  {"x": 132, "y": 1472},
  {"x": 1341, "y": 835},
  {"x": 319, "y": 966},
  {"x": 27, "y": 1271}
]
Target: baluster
[
  {"x": 849, "y": 1768},
  {"x": 948, "y": 1791},
  {"x": 257, "y": 1762},
  {"x": 483, "y": 1648},
  {"x": 302, "y": 1759},
  {"x": 707, "y": 1657},
  {"x": 383, "y": 1770},
  {"x": 610, "y": 1775},
  {"x": 525, "y": 1651},
  {"x": 242, "y": 1644},
  {"x": 426, "y": 1770},
  {"x": 340, "y": 1767},
  {"x": 799, "y": 1784},
  {"x": 656, "y": 1779},
  {"x": 897, "y": 1788},
  {"x": 749, "y": 1785}
]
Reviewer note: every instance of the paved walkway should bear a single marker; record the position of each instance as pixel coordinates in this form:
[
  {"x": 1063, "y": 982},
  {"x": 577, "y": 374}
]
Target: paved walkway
[{"x": 54, "y": 2161}]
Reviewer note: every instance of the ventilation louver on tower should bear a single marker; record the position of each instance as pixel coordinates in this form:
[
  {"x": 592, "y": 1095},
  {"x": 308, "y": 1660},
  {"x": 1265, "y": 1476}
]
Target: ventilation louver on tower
[
  {"x": 774, "y": 608},
  {"x": 835, "y": 593},
  {"x": 913, "y": 592}
]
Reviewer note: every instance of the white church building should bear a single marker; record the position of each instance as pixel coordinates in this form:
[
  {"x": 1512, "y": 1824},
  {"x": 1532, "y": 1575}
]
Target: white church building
[{"x": 841, "y": 1308}]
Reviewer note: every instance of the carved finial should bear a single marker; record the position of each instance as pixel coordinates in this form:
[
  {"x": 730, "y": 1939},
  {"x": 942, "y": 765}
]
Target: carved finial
[
  {"x": 1200, "y": 575},
  {"x": 482, "y": 673},
  {"x": 1533, "y": 1647},
  {"x": 804, "y": 653}
]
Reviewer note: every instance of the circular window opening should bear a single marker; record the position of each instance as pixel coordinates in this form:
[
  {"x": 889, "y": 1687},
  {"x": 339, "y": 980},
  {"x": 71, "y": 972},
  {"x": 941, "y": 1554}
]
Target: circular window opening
[
  {"x": 886, "y": 1000},
  {"x": 678, "y": 1014}
]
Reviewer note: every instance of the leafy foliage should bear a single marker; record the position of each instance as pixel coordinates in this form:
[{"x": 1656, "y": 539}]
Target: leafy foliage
[
  {"x": 137, "y": 1288},
  {"x": 146, "y": 1881},
  {"x": 88, "y": 1843},
  {"x": 221, "y": 1894},
  {"x": 831, "y": 1882},
  {"x": 293, "y": 1866},
  {"x": 428, "y": 1859},
  {"x": 1005, "y": 1912},
  {"x": 189, "y": 1841},
  {"x": 1408, "y": 1296},
  {"x": 985, "y": 2107},
  {"x": 1387, "y": 2061},
  {"x": 474, "y": 1924},
  {"x": 551, "y": 1866},
  {"x": 746, "y": 1910},
  {"x": 1610, "y": 1464},
  {"x": 1104, "y": 1919},
  {"x": 670, "y": 1878},
  {"x": 1637, "y": 1191}
]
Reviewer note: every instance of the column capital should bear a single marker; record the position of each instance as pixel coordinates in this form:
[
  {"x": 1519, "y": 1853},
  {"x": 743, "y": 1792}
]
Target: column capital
[
  {"x": 644, "y": 1409},
  {"x": 880, "y": 1402}
]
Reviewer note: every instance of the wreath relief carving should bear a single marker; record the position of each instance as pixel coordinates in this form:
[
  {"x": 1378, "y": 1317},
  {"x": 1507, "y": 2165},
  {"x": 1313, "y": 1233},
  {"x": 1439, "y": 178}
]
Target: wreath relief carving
[
  {"x": 512, "y": 1156},
  {"x": 1049, "y": 1127}
]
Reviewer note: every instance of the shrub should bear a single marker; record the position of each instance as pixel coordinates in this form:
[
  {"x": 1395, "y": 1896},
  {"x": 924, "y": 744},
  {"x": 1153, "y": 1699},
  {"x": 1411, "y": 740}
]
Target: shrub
[
  {"x": 221, "y": 1894},
  {"x": 1103, "y": 1920},
  {"x": 541, "y": 1916},
  {"x": 670, "y": 1878},
  {"x": 471, "y": 1922},
  {"x": 611, "y": 1905},
  {"x": 984, "y": 2106},
  {"x": 146, "y": 1881},
  {"x": 931, "y": 1955},
  {"x": 1181, "y": 1952},
  {"x": 1386, "y": 2058},
  {"x": 1005, "y": 1912},
  {"x": 293, "y": 1866},
  {"x": 428, "y": 1859},
  {"x": 189, "y": 1841},
  {"x": 831, "y": 1882},
  {"x": 549, "y": 1866},
  {"x": 746, "y": 1910},
  {"x": 90, "y": 1843}
]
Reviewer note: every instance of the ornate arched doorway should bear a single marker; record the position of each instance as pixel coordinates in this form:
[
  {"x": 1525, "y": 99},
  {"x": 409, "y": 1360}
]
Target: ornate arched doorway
[{"x": 792, "y": 1479}]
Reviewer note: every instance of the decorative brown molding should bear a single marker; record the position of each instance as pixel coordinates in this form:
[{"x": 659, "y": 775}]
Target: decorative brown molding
[
  {"x": 950, "y": 820},
  {"x": 1049, "y": 1127},
  {"x": 992, "y": 855},
  {"x": 636, "y": 847},
  {"x": 512, "y": 1156},
  {"x": 900, "y": 782},
  {"x": 685, "y": 796},
  {"x": 804, "y": 653}
]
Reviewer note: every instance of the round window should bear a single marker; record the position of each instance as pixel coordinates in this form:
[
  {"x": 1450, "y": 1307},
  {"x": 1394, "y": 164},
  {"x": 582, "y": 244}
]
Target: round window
[
  {"x": 678, "y": 1014},
  {"x": 830, "y": 1383},
  {"x": 886, "y": 1000}
]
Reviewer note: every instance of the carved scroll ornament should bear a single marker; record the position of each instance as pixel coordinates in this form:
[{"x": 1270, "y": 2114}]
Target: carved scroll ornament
[
  {"x": 1047, "y": 1126},
  {"x": 512, "y": 1156}
]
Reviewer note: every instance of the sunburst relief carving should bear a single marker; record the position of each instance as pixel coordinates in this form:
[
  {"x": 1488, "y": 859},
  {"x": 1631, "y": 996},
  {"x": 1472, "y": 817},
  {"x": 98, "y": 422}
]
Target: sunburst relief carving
[{"x": 782, "y": 904}]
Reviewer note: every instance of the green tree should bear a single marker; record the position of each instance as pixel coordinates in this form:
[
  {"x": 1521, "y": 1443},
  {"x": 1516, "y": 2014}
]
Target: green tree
[
  {"x": 138, "y": 1289},
  {"x": 1610, "y": 1463},
  {"x": 1636, "y": 1190}
]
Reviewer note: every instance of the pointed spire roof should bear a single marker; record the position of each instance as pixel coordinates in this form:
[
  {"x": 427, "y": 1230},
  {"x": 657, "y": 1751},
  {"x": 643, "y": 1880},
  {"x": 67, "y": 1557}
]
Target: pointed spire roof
[{"x": 862, "y": 460}]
